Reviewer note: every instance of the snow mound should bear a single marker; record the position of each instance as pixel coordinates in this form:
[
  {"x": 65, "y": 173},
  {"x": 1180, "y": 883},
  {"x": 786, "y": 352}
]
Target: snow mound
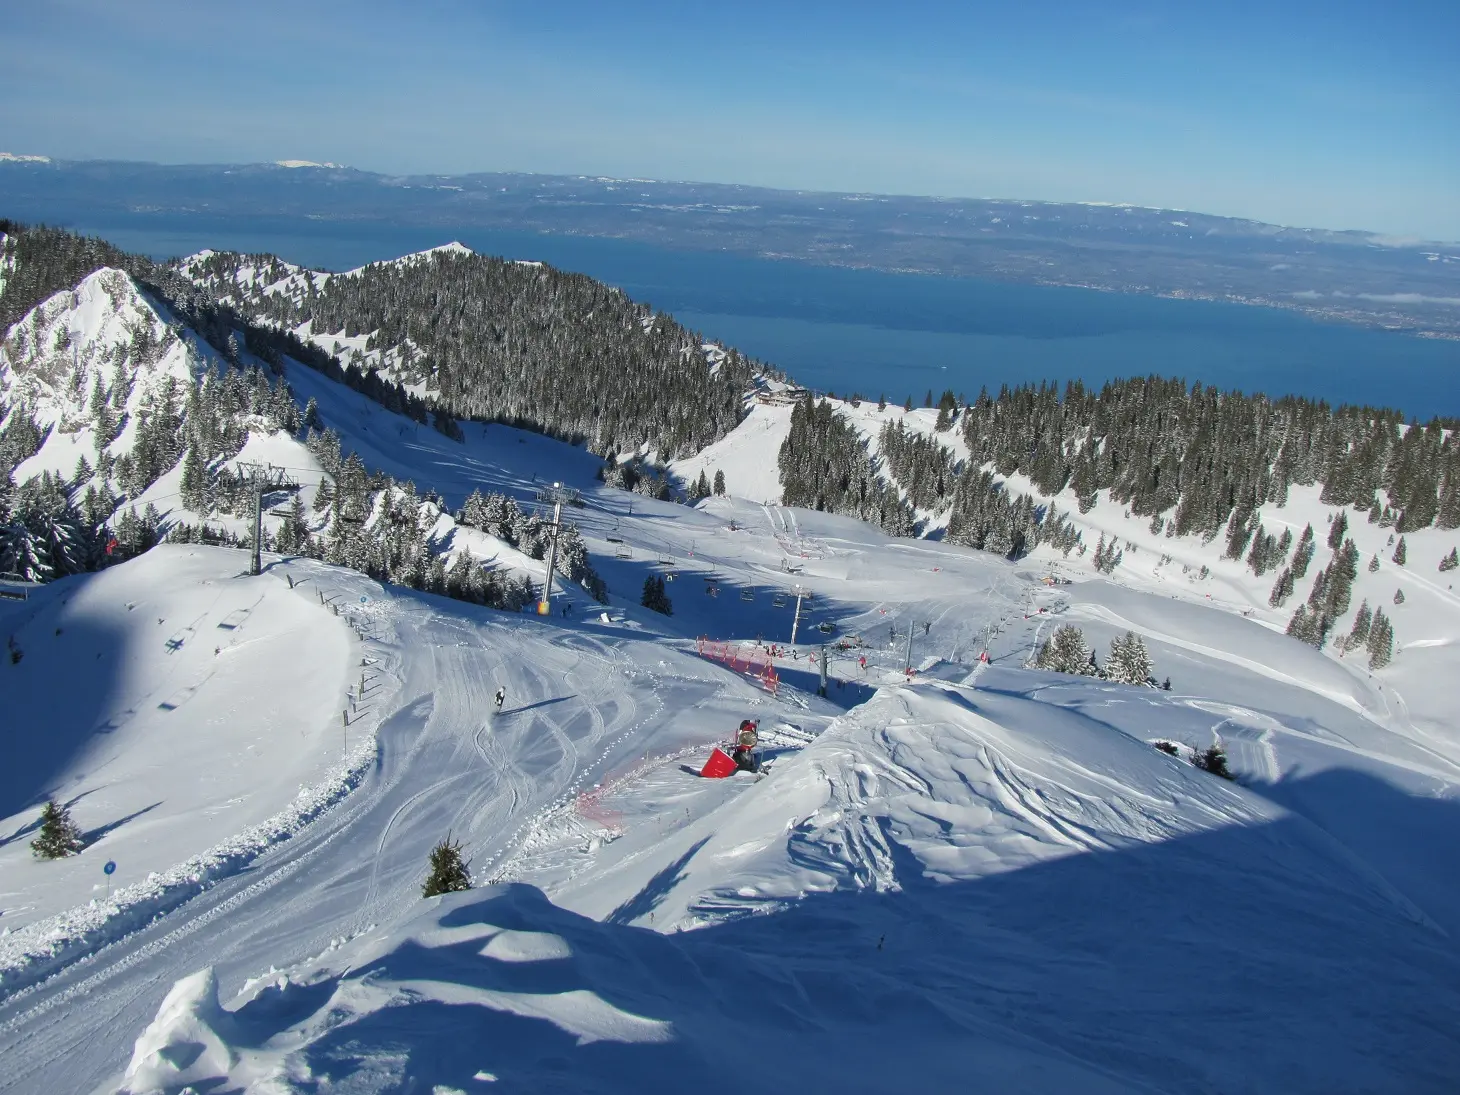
[
  {"x": 178, "y": 761},
  {"x": 988, "y": 886},
  {"x": 970, "y": 783},
  {"x": 433, "y": 1005}
]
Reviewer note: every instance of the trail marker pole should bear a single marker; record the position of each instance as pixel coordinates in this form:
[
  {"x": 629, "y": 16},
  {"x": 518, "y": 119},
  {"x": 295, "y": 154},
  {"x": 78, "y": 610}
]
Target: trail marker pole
[
  {"x": 907, "y": 660},
  {"x": 796, "y": 621},
  {"x": 825, "y": 657},
  {"x": 107, "y": 870}
]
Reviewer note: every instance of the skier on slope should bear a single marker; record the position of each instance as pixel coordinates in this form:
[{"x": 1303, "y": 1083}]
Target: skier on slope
[
  {"x": 500, "y": 698},
  {"x": 745, "y": 742}
]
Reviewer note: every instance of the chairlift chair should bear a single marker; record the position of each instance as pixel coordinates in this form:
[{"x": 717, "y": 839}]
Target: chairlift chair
[{"x": 747, "y": 594}]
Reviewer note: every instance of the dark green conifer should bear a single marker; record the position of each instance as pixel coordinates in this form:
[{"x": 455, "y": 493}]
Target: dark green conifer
[
  {"x": 449, "y": 872},
  {"x": 59, "y": 836}
]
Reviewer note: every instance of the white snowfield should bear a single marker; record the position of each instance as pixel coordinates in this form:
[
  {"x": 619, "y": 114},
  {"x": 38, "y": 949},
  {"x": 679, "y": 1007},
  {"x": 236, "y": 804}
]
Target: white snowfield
[
  {"x": 172, "y": 704},
  {"x": 986, "y": 878}
]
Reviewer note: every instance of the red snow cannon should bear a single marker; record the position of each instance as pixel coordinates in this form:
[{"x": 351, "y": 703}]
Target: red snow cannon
[{"x": 719, "y": 765}]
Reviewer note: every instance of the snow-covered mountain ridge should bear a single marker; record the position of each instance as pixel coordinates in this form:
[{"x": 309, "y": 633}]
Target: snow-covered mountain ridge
[{"x": 499, "y": 341}]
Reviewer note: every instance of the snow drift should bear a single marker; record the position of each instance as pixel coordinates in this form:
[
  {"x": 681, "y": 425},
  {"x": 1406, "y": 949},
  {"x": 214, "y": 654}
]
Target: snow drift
[{"x": 1053, "y": 906}]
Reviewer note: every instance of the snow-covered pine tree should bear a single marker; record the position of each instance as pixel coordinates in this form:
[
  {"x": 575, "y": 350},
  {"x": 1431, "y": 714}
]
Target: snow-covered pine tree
[
  {"x": 719, "y": 483},
  {"x": 1066, "y": 651},
  {"x": 1213, "y": 759},
  {"x": 449, "y": 872},
  {"x": 1337, "y": 530},
  {"x": 1399, "y": 596},
  {"x": 1304, "y": 553},
  {"x": 294, "y": 533},
  {"x": 1239, "y": 531},
  {"x": 1401, "y": 552},
  {"x": 1306, "y": 626},
  {"x": 1450, "y": 562},
  {"x": 1282, "y": 589},
  {"x": 473, "y": 512},
  {"x": 654, "y": 598},
  {"x": 1129, "y": 662},
  {"x": 1359, "y": 633},
  {"x": 1381, "y": 641},
  {"x": 59, "y": 836},
  {"x": 193, "y": 486}
]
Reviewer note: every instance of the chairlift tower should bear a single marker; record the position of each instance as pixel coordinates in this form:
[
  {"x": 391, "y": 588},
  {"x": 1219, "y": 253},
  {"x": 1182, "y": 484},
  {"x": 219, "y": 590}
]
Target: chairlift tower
[
  {"x": 801, "y": 594},
  {"x": 557, "y": 494},
  {"x": 907, "y": 660},
  {"x": 265, "y": 479}
]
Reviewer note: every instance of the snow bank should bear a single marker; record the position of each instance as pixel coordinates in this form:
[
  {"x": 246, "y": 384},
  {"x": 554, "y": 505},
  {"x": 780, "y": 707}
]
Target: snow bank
[
  {"x": 197, "y": 725},
  {"x": 973, "y": 882},
  {"x": 972, "y": 783}
]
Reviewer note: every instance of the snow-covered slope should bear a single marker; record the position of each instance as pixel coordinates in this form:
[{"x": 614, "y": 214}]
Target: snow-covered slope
[
  {"x": 1426, "y": 613},
  {"x": 103, "y": 331},
  {"x": 172, "y": 704},
  {"x": 1061, "y": 908},
  {"x": 746, "y": 455},
  {"x": 986, "y": 877}
]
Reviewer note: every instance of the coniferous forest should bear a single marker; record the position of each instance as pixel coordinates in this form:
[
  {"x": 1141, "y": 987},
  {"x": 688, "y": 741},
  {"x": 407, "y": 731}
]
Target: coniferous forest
[{"x": 518, "y": 343}]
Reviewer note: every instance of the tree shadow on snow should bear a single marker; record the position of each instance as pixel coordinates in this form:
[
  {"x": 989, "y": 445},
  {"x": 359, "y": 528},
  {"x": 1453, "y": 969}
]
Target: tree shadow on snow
[
  {"x": 91, "y": 836},
  {"x": 655, "y": 890},
  {"x": 34, "y": 825}
]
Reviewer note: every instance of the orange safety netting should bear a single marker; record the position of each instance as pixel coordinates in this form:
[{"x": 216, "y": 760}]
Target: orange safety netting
[{"x": 743, "y": 658}]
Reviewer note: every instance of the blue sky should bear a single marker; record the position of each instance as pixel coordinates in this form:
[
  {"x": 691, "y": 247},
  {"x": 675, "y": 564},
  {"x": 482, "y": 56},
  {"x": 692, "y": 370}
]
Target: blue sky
[{"x": 1339, "y": 114}]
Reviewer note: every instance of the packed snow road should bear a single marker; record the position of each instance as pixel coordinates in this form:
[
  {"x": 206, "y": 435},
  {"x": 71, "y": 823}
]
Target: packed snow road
[{"x": 577, "y": 704}]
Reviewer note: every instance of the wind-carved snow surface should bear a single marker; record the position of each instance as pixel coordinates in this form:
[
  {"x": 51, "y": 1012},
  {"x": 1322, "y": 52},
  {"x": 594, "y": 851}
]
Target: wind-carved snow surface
[{"x": 1045, "y": 891}]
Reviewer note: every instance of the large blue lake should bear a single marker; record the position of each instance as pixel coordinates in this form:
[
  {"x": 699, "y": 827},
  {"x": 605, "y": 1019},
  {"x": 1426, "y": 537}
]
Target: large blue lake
[{"x": 902, "y": 334}]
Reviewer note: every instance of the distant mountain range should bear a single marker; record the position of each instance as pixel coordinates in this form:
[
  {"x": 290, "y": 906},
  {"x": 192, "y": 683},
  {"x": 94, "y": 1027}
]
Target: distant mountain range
[{"x": 1355, "y": 276}]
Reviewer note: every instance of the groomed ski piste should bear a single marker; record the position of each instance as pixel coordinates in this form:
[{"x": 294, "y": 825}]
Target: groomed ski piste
[{"x": 979, "y": 877}]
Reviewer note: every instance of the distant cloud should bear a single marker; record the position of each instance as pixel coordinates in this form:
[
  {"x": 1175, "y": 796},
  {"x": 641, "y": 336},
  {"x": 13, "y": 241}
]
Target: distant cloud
[
  {"x": 1407, "y": 298},
  {"x": 1378, "y": 298}
]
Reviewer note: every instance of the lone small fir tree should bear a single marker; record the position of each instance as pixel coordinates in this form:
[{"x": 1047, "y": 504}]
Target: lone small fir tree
[
  {"x": 1213, "y": 759},
  {"x": 59, "y": 835},
  {"x": 448, "y": 870},
  {"x": 655, "y": 597}
]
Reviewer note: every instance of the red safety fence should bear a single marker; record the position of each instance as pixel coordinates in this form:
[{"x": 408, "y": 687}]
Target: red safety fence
[{"x": 742, "y": 657}]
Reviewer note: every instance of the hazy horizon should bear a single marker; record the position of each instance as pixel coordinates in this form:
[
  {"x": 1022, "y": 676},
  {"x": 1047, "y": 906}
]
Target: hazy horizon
[{"x": 1331, "y": 115}]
